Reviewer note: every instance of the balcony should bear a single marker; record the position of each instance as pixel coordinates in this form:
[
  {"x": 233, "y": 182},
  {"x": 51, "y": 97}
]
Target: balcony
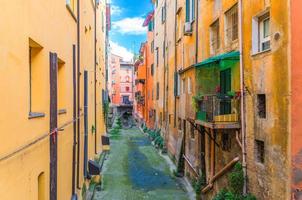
[
  {"x": 219, "y": 111},
  {"x": 140, "y": 99}
]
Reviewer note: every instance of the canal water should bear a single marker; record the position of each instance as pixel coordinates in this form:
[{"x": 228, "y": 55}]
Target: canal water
[{"x": 134, "y": 170}]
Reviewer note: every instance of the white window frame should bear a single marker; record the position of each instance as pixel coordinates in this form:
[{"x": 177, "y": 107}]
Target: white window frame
[
  {"x": 257, "y": 32},
  {"x": 261, "y": 33},
  {"x": 183, "y": 85},
  {"x": 179, "y": 83},
  {"x": 189, "y": 86}
]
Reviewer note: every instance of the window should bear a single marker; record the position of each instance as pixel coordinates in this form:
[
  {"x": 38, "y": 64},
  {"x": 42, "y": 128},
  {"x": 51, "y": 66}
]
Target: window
[
  {"x": 163, "y": 14},
  {"x": 259, "y": 151},
  {"x": 192, "y": 132},
  {"x": 157, "y": 91},
  {"x": 226, "y": 142},
  {"x": 61, "y": 85},
  {"x": 157, "y": 57},
  {"x": 41, "y": 187},
  {"x": 183, "y": 86},
  {"x": 35, "y": 70},
  {"x": 164, "y": 48},
  {"x": 261, "y": 33},
  {"x": 189, "y": 86},
  {"x": 152, "y": 94},
  {"x": 264, "y": 33},
  {"x": 261, "y": 105},
  {"x": 160, "y": 118},
  {"x": 190, "y": 10},
  {"x": 152, "y": 46},
  {"x": 214, "y": 37},
  {"x": 231, "y": 17},
  {"x": 152, "y": 69},
  {"x": 178, "y": 84},
  {"x": 151, "y": 25},
  {"x": 179, "y": 123},
  {"x": 127, "y": 79},
  {"x": 127, "y": 89}
]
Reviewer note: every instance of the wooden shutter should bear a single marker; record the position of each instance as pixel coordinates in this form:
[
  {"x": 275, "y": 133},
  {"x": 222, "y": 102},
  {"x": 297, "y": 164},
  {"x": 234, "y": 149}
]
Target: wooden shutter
[{"x": 187, "y": 10}]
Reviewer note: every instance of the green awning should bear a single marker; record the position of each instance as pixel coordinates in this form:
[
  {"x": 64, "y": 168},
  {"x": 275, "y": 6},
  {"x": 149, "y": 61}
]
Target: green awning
[{"x": 234, "y": 55}]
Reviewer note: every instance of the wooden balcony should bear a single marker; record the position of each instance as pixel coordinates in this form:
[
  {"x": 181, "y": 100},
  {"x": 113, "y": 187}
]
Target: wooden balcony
[{"x": 219, "y": 112}]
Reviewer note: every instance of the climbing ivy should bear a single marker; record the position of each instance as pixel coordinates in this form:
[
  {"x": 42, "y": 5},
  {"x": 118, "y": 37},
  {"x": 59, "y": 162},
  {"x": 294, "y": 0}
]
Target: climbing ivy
[{"x": 234, "y": 191}]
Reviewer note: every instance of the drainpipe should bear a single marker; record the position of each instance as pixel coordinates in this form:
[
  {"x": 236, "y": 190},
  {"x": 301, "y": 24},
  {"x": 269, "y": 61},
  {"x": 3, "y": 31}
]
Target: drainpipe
[
  {"x": 95, "y": 99},
  {"x": 243, "y": 128},
  {"x": 85, "y": 122},
  {"x": 74, "y": 195},
  {"x": 165, "y": 71},
  {"x": 78, "y": 94},
  {"x": 175, "y": 60}
]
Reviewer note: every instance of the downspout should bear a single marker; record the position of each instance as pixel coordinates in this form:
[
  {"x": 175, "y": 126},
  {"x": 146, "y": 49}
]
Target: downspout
[
  {"x": 85, "y": 123},
  {"x": 164, "y": 90},
  {"x": 242, "y": 106},
  {"x": 175, "y": 61},
  {"x": 95, "y": 95},
  {"x": 78, "y": 94},
  {"x": 74, "y": 195}
]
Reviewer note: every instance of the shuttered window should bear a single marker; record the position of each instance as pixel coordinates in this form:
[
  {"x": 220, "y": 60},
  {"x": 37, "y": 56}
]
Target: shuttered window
[
  {"x": 190, "y": 10},
  {"x": 225, "y": 86}
]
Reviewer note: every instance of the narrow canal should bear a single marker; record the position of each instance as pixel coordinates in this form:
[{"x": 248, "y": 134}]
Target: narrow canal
[{"x": 134, "y": 170}]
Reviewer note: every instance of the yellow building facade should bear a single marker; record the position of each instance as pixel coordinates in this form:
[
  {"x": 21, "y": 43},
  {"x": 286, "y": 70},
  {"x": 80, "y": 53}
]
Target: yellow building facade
[
  {"x": 267, "y": 78},
  {"x": 36, "y": 38}
]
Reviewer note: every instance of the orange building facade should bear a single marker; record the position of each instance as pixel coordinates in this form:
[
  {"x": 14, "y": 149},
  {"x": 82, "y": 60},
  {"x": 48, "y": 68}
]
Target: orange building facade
[
  {"x": 144, "y": 72},
  {"x": 296, "y": 109},
  {"x": 140, "y": 81}
]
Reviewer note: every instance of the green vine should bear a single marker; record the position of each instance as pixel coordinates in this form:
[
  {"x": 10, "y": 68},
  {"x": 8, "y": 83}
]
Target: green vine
[
  {"x": 195, "y": 101},
  {"x": 234, "y": 191}
]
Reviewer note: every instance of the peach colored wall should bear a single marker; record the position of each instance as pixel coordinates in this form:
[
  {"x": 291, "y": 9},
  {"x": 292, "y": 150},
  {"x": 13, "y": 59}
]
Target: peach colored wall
[
  {"x": 149, "y": 80},
  {"x": 126, "y": 80},
  {"x": 114, "y": 80},
  {"x": 296, "y": 82}
]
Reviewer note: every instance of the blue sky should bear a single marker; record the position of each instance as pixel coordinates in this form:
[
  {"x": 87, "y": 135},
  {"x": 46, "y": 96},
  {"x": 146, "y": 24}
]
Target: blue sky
[{"x": 127, "y": 33}]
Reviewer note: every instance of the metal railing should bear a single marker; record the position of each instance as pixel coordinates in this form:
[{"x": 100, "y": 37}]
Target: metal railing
[{"x": 218, "y": 108}]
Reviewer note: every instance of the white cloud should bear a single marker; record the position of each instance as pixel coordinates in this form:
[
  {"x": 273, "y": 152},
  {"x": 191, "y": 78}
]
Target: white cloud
[
  {"x": 121, "y": 51},
  {"x": 116, "y": 10},
  {"x": 132, "y": 26}
]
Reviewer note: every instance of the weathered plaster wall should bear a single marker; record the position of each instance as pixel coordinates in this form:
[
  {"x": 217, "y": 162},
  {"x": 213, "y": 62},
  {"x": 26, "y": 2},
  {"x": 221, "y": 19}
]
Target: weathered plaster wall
[{"x": 267, "y": 73}]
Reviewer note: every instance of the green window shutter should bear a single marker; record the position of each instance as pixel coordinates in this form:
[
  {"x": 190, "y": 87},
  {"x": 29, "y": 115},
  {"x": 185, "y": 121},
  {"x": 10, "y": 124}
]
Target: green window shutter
[
  {"x": 187, "y": 10},
  {"x": 193, "y": 9},
  {"x": 226, "y": 86},
  {"x": 225, "y": 81}
]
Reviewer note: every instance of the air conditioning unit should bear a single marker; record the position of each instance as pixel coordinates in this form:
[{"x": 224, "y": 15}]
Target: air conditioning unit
[{"x": 188, "y": 28}]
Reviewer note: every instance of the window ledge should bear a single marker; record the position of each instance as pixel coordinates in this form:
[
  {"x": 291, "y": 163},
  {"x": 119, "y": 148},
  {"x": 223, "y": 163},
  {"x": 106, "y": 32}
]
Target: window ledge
[
  {"x": 71, "y": 12},
  {"x": 33, "y": 115},
  {"x": 62, "y": 111},
  {"x": 260, "y": 52}
]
